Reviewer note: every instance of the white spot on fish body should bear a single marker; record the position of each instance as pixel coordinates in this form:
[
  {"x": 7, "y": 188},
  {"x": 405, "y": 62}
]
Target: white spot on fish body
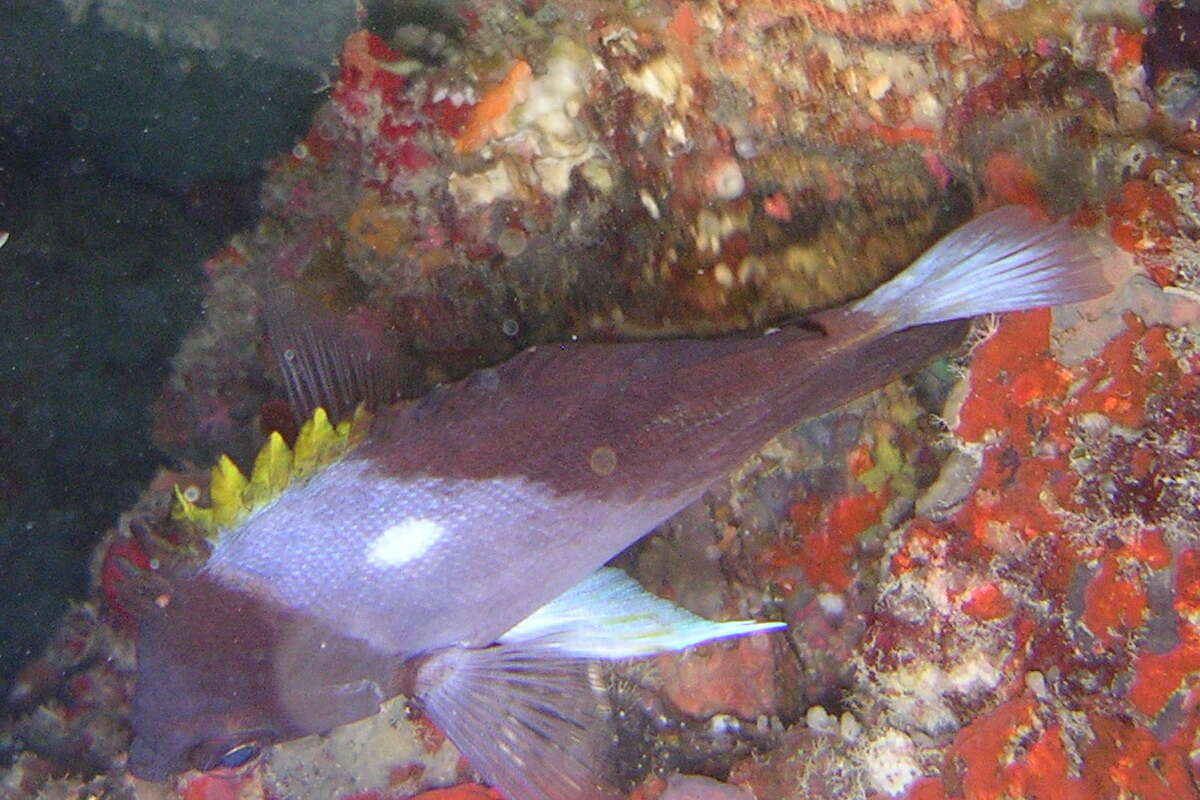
[{"x": 401, "y": 543}]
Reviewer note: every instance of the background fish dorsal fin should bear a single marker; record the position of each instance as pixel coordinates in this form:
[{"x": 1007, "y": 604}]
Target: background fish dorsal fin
[{"x": 330, "y": 360}]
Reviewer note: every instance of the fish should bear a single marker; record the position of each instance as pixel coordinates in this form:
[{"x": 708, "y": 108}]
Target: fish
[{"x": 453, "y": 548}]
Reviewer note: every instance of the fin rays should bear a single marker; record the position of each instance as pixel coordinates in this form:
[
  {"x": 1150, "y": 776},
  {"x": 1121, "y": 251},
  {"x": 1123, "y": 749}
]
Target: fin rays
[
  {"x": 533, "y": 724},
  {"x": 527, "y": 712},
  {"x": 1005, "y": 260},
  {"x": 608, "y": 615},
  {"x": 326, "y": 362}
]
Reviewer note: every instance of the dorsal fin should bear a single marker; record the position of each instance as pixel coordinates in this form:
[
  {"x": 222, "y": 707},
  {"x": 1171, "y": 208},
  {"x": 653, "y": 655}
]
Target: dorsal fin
[
  {"x": 233, "y": 496},
  {"x": 330, "y": 361}
]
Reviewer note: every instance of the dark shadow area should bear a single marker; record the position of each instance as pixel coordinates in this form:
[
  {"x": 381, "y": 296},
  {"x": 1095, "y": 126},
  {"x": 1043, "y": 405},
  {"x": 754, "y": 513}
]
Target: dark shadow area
[{"x": 122, "y": 166}]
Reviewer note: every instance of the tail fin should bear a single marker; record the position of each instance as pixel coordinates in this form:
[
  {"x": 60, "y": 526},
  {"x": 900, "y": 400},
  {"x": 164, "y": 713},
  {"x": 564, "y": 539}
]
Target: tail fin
[
  {"x": 1004, "y": 260},
  {"x": 330, "y": 361}
]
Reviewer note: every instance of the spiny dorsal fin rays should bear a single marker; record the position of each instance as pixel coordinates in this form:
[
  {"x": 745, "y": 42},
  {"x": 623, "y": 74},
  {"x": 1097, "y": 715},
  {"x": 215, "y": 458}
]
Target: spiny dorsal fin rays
[
  {"x": 271, "y": 473},
  {"x": 329, "y": 359},
  {"x": 227, "y": 488},
  {"x": 234, "y": 496},
  {"x": 314, "y": 443}
]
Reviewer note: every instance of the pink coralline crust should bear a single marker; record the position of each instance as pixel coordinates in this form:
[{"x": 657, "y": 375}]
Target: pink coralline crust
[
  {"x": 945, "y": 20},
  {"x": 112, "y": 577},
  {"x": 1074, "y": 513},
  {"x": 1019, "y": 750},
  {"x": 828, "y": 546},
  {"x": 215, "y": 787},
  {"x": 984, "y": 773},
  {"x": 1160, "y": 676},
  {"x": 828, "y": 529},
  {"x": 469, "y": 791},
  {"x": 1127, "y": 50},
  {"x": 1027, "y": 485},
  {"x": 1044, "y": 403},
  {"x": 986, "y": 601},
  {"x": 826, "y": 533},
  {"x": 1114, "y": 604},
  {"x": 389, "y": 131},
  {"x": 737, "y": 678},
  {"x": 1142, "y": 218}
]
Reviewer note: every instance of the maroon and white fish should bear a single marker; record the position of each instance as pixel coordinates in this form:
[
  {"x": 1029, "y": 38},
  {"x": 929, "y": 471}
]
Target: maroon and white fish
[{"x": 455, "y": 553}]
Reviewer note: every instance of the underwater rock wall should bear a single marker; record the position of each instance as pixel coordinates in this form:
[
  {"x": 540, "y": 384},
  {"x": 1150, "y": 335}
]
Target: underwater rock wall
[
  {"x": 282, "y": 33},
  {"x": 990, "y": 572}
]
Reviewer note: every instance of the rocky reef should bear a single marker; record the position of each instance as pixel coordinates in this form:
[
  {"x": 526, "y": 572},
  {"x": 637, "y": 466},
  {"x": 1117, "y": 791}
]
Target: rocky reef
[{"x": 990, "y": 571}]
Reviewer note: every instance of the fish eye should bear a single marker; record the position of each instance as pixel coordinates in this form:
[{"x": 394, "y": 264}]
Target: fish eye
[{"x": 237, "y": 756}]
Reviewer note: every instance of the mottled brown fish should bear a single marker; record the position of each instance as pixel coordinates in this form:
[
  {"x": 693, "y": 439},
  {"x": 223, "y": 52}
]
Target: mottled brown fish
[{"x": 455, "y": 552}]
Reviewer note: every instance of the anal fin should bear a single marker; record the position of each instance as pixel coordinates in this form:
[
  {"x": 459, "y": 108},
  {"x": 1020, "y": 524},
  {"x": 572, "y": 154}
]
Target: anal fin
[{"x": 608, "y": 615}]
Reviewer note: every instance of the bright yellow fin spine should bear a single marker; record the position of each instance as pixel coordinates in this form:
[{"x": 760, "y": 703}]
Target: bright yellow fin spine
[
  {"x": 227, "y": 488},
  {"x": 276, "y": 467},
  {"x": 271, "y": 474}
]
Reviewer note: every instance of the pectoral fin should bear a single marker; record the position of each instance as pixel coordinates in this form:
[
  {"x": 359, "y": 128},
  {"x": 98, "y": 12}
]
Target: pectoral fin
[
  {"x": 534, "y": 724},
  {"x": 528, "y": 713}
]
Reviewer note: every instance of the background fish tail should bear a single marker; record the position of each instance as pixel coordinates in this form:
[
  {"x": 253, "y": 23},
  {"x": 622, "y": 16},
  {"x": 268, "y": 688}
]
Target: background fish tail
[{"x": 330, "y": 360}]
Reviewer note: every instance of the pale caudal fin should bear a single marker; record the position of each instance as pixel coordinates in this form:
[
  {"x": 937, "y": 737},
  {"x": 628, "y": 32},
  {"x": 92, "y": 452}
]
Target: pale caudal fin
[
  {"x": 1004, "y": 260},
  {"x": 529, "y": 712}
]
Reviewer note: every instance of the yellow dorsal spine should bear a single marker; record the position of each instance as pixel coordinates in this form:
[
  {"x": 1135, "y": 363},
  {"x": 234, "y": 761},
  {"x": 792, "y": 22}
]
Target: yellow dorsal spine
[
  {"x": 276, "y": 467},
  {"x": 271, "y": 474},
  {"x": 315, "y": 437},
  {"x": 227, "y": 488}
]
